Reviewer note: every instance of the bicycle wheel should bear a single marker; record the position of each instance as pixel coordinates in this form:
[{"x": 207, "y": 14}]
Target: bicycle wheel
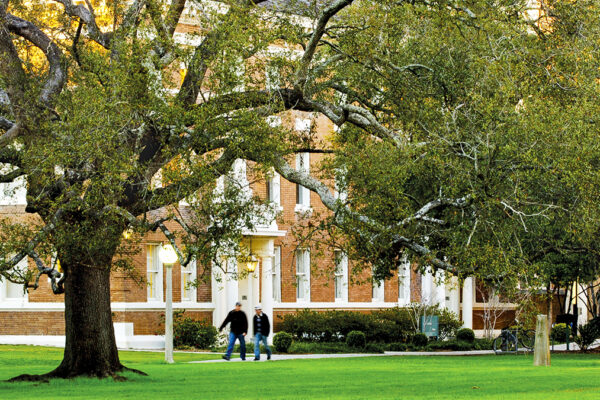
[{"x": 527, "y": 338}]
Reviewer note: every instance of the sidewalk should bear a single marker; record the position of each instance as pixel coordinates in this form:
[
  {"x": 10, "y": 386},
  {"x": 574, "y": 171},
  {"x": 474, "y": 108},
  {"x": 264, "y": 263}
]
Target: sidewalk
[{"x": 280, "y": 357}]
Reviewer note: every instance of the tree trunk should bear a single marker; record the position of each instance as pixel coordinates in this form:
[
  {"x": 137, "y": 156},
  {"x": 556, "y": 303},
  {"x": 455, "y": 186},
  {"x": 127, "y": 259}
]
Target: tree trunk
[{"x": 90, "y": 347}]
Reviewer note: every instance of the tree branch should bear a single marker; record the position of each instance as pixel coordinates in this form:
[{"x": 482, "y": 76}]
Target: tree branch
[
  {"x": 56, "y": 74},
  {"x": 311, "y": 47}
]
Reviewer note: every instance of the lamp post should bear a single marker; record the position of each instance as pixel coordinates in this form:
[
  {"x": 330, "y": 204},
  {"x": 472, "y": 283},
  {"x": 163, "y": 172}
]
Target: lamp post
[{"x": 168, "y": 257}]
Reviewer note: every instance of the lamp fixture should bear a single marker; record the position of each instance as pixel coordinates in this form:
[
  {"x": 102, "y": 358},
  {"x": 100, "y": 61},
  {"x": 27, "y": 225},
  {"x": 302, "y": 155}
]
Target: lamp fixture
[
  {"x": 251, "y": 263},
  {"x": 167, "y": 254}
]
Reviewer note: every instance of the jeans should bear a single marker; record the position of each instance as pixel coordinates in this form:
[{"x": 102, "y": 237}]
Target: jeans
[
  {"x": 257, "y": 338},
  {"x": 232, "y": 338}
]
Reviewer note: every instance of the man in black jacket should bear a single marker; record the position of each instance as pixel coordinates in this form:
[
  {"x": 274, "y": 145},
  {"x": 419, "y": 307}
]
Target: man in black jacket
[
  {"x": 261, "y": 328},
  {"x": 237, "y": 330}
]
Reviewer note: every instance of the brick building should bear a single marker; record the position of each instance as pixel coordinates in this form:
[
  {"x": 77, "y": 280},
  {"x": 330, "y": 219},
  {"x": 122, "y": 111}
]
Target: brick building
[{"x": 285, "y": 280}]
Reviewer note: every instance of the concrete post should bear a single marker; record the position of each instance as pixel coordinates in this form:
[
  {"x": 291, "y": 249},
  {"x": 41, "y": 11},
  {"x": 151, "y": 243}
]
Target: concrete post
[
  {"x": 169, "y": 316},
  {"x": 541, "y": 352},
  {"x": 467, "y": 303}
]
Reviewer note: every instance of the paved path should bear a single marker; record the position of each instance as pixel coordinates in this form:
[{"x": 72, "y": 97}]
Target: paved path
[{"x": 279, "y": 357}]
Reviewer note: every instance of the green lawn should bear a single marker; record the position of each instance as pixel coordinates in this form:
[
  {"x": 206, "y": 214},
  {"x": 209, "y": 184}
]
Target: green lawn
[{"x": 489, "y": 377}]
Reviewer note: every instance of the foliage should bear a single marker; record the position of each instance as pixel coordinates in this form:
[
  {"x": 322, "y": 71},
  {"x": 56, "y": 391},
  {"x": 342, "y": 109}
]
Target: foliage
[
  {"x": 282, "y": 342},
  {"x": 356, "y": 339},
  {"x": 560, "y": 333},
  {"x": 396, "y": 346},
  {"x": 455, "y": 345},
  {"x": 587, "y": 335},
  {"x": 188, "y": 332},
  {"x": 419, "y": 339},
  {"x": 382, "y": 326},
  {"x": 466, "y": 335}
]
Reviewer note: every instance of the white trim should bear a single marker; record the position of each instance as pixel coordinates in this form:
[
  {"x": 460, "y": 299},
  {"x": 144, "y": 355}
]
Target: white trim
[
  {"x": 340, "y": 305},
  {"x": 190, "y": 270},
  {"x": 276, "y": 274},
  {"x": 118, "y": 306},
  {"x": 304, "y": 275},
  {"x": 341, "y": 271},
  {"x": 404, "y": 284}
]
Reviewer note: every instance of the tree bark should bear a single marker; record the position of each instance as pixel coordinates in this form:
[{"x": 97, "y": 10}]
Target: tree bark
[{"x": 90, "y": 347}]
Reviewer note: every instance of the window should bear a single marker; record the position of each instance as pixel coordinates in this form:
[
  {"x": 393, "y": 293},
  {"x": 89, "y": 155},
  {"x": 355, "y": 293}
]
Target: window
[
  {"x": 378, "y": 291},
  {"x": 276, "y": 274},
  {"x": 302, "y": 193},
  {"x": 154, "y": 275},
  {"x": 14, "y": 291},
  {"x": 341, "y": 276},
  {"x": 303, "y": 275},
  {"x": 404, "y": 284},
  {"x": 273, "y": 189},
  {"x": 188, "y": 276}
]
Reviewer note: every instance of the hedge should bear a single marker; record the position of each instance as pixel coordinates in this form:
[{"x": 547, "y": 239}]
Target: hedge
[{"x": 394, "y": 325}]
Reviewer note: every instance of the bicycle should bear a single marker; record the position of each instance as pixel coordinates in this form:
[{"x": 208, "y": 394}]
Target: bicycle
[{"x": 513, "y": 340}]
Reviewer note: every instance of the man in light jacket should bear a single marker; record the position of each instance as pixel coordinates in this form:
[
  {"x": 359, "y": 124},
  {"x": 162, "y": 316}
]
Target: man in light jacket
[{"x": 261, "y": 328}]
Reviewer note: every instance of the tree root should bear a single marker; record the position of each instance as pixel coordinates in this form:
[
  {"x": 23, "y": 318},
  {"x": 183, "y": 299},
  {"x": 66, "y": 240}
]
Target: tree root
[{"x": 62, "y": 374}]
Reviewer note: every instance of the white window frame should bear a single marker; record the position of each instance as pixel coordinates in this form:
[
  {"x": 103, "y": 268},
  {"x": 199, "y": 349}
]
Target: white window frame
[
  {"x": 404, "y": 284},
  {"x": 155, "y": 267},
  {"x": 303, "y": 275},
  {"x": 340, "y": 283},
  {"x": 378, "y": 291},
  {"x": 302, "y": 193},
  {"x": 276, "y": 274},
  {"x": 188, "y": 276},
  {"x": 6, "y": 287},
  {"x": 274, "y": 189}
]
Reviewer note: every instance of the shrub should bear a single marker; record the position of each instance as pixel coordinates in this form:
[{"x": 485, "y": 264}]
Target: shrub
[
  {"x": 396, "y": 346},
  {"x": 587, "y": 335},
  {"x": 483, "y": 344},
  {"x": 419, "y": 339},
  {"x": 356, "y": 339},
  {"x": 188, "y": 332},
  {"x": 560, "y": 333},
  {"x": 374, "y": 348},
  {"x": 282, "y": 342},
  {"x": 466, "y": 335},
  {"x": 448, "y": 323}
]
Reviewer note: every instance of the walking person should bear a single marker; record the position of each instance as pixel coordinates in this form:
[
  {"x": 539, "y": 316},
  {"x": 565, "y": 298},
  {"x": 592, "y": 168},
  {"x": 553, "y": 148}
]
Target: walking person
[
  {"x": 261, "y": 328},
  {"x": 237, "y": 330}
]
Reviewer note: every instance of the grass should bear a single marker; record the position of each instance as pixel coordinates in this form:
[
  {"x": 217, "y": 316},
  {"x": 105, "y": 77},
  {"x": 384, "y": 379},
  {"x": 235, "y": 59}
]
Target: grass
[{"x": 480, "y": 377}]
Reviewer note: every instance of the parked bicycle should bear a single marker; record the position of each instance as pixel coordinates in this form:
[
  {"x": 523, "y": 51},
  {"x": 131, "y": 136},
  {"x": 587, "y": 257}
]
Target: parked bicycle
[{"x": 513, "y": 340}]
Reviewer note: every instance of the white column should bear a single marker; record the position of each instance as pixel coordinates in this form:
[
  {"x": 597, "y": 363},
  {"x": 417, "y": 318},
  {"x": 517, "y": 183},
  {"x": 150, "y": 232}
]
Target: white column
[
  {"x": 426, "y": 288},
  {"x": 219, "y": 298},
  {"x": 582, "y": 315},
  {"x": 231, "y": 284},
  {"x": 440, "y": 289},
  {"x": 454, "y": 295},
  {"x": 467, "y": 303},
  {"x": 267, "y": 290}
]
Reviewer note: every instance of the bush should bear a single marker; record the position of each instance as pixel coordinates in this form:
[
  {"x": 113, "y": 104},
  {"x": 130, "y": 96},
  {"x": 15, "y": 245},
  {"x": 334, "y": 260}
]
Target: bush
[
  {"x": 356, "y": 339},
  {"x": 588, "y": 333},
  {"x": 374, "y": 348},
  {"x": 396, "y": 346},
  {"x": 419, "y": 339},
  {"x": 560, "y": 333},
  {"x": 188, "y": 332},
  {"x": 466, "y": 335},
  {"x": 483, "y": 344},
  {"x": 392, "y": 325},
  {"x": 282, "y": 342}
]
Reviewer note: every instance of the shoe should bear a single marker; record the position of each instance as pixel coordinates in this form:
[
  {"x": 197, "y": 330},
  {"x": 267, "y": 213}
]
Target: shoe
[
  {"x": 257, "y": 359},
  {"x": 225, "y": 358},
  {"x": 243, "y": 359},
  {"x": 268, "y": 357}
]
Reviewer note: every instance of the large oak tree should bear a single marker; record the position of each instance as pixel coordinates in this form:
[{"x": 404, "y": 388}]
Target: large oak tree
[{"x": 442, "y": 150}]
